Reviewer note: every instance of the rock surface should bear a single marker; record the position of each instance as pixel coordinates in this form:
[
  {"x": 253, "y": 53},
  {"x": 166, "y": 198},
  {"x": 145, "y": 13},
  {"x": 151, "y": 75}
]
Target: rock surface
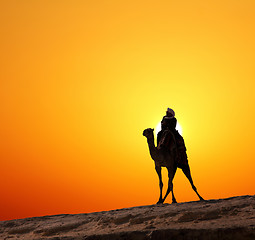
[{"x": 231, "y": 218}]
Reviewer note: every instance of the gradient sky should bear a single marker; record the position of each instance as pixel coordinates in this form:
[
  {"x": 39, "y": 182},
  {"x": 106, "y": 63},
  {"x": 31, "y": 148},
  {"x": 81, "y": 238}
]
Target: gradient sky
[{"x": 81, "y": 80}]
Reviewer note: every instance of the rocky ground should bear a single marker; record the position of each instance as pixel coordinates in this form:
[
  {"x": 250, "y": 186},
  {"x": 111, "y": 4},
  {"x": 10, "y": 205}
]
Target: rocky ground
[{"x": 231, "y": 218}]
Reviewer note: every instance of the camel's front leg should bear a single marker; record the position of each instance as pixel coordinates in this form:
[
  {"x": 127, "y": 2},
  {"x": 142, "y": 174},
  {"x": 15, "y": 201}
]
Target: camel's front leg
[
  {"x": 158, "y": 170},
  {"x": 171, "y": 174}
]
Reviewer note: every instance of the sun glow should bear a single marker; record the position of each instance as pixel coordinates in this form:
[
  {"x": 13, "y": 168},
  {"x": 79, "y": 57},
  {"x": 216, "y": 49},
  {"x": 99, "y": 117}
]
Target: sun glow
[{"x": 158, "y": 128}]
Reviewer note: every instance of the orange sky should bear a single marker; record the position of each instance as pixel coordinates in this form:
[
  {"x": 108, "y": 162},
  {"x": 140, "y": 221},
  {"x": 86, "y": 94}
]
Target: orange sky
[{"x": 81, "y": 80}]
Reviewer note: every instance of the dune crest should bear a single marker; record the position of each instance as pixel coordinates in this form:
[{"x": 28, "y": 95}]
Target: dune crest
[{"x": 230, "y": 218}]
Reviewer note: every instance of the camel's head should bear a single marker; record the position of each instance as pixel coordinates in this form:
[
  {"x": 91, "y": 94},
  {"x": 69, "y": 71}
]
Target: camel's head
[{"x": 148, "y": 133}]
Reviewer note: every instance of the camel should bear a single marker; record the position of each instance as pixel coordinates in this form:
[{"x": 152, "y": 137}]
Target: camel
[{"x": 167, "y": 158}]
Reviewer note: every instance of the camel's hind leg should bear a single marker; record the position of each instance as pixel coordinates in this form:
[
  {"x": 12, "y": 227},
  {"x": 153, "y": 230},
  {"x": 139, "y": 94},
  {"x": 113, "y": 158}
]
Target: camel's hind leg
[
  {"x": 173, "y": 197},
  {"x": 186, "y": 171},
  {"x": 158, "y": 170}
]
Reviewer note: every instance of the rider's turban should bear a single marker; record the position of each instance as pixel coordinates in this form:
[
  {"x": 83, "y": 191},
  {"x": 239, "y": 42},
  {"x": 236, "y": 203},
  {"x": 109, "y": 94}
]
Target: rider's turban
[{"x": 171, "y": 111}]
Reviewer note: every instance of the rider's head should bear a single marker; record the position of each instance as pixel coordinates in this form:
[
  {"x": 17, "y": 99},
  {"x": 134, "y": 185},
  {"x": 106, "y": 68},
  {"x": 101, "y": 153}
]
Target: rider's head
[{"x": 170, "y": 112}]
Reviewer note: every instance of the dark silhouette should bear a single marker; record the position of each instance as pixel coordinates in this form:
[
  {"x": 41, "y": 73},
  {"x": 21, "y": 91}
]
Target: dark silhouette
[{"x": 170, "y": 153}]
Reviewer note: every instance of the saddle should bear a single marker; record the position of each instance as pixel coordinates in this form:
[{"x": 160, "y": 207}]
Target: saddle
[{"x": 177, "y": 145}]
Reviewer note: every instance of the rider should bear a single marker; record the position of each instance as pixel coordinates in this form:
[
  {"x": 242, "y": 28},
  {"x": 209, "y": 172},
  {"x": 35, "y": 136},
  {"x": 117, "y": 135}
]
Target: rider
[{"x": 169, "y": 123}]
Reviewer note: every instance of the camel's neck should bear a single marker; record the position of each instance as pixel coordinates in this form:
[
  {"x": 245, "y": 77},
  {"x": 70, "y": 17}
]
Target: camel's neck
[
  {"x": 152, "y": 148},
  {"x": 150, "y": 141}
]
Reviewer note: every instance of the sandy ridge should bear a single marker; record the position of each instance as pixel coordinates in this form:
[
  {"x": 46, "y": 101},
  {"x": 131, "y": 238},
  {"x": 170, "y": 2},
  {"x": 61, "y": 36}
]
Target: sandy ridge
[{"x": 231, "y": 218}]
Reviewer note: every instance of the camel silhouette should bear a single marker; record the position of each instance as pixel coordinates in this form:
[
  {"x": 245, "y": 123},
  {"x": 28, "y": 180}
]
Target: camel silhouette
[{"x": 166, "y": 157}]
